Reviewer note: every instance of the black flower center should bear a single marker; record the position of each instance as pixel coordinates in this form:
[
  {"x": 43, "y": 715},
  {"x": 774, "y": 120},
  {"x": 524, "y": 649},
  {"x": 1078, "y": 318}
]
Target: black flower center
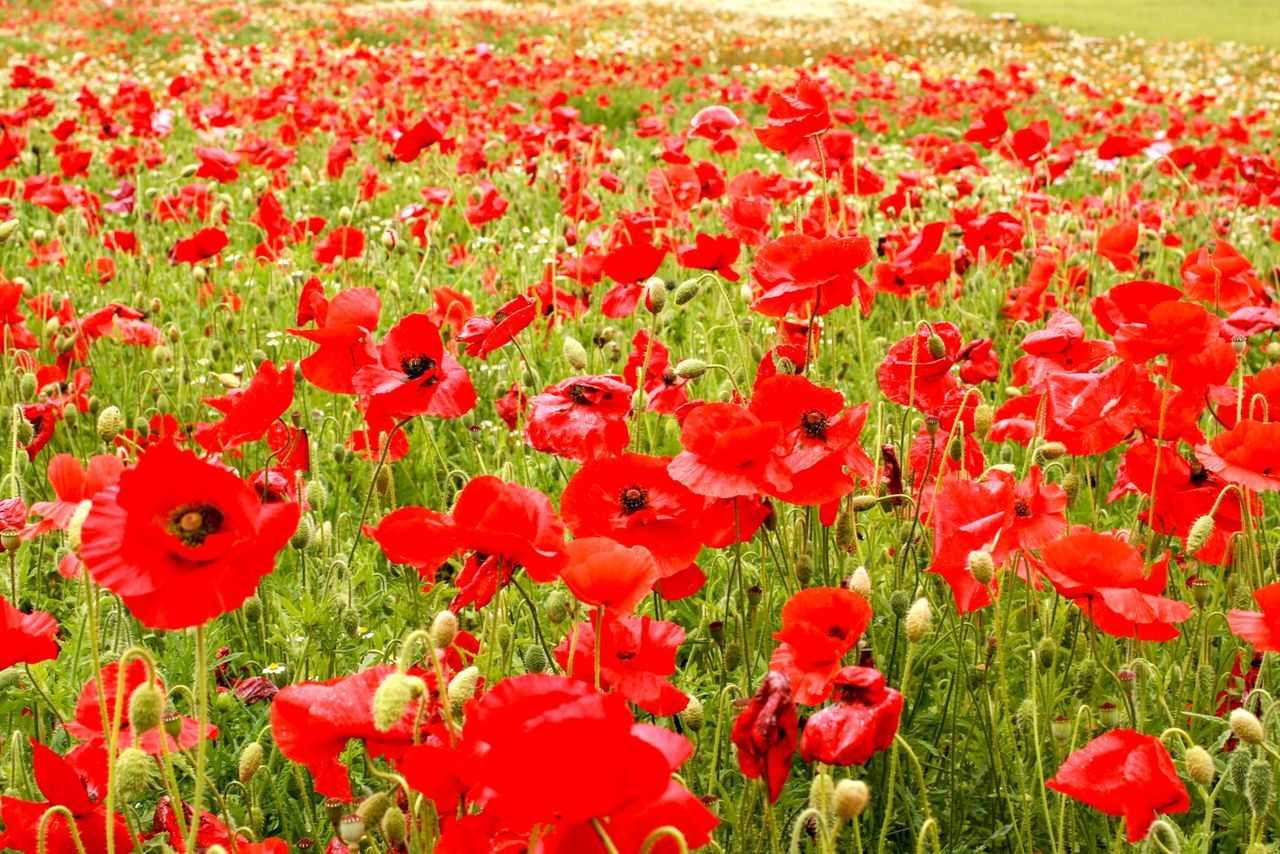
[
  {"x": 837, "y": 631},
  {"x": 814, "y": 423},
  {"x": 415, "y": 367},
  {"x": 634, "y": 499},
  {"x": 1022, "y": 507},
  {"x": 193, "y": 524},
  {"x": 578, "y": 394}
]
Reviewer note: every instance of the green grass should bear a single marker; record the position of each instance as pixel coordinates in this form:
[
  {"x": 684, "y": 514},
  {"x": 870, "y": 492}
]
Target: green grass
[{"x": 1245, "y": 21}]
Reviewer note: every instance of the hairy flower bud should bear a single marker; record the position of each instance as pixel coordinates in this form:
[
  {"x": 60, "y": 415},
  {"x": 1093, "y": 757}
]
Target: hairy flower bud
[
  {"x": 850, "y": 798},
  {"x": 444, "y": 628},
  {"x": 1199, "y": 766},
  {"x": 690, "y": 369},
  {"x": 394, "y": 826},
  {"x": 981, "y": 566},
  {"x": 393, "y": 697},
  {"x": 574, "y": 353},
  {"x": 692, "y": 716},
  {"x": 937, "y": 347},
  {"x": 860, "y": 582},
  {"x": 146, "y": 707},
  {"x": 1257, "y": 787},
  {"x": 250, "y": 761},
  {"x": 462, "y": 687},
  {"x": 535, "y": 660},
  {"x": 1201, "y": 531},
  {"x": 133, "y": 773},
  {"x": 374, "y": 807},
  {"x": 919, "y": 620},
  {"x": 1246, "y": 726},
  {"x": 686, "y": 292}
]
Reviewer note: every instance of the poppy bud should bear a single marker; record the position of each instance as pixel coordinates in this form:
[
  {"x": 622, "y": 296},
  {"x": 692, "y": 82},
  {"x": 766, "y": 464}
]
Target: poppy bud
[
  {"x": 655, "y": 295},
  {"x": 26, "y": 432},
  {"x": 317, "y": 494},
  {"x": 690, "y": 369},
  {"x": 252, "y": 609},
  {"x": 133, "y": 773},
  {"x": 1246, "y": 726},
  {"x": 821, "y": 793},
  {"x": 1199, "y": 534},
  {"x": 1165, "y": 837},
  {"x": 1071, "y": 486},
  {"x": 1050, "y": 451},
  {"x": 850, "y": 799},
  {"x": 110, "y": 423},
  {"x": 505, "y": 635},
  {"x": 982, "y": 419},
  {"x": 303, "y": 533},
  {"x": 1272, "y": 350},
  {"x": 860, "y": 582},
  {"x": 216, "y": 849},
  {"x": 804, "y": 567},
  {"x": 345, "y": 215},
  {"x": 557, "y": 606},
  {"x": 732, "y": 655},
  {"x": 1257, "y": 787},
  {"x": 8, "y": 229},
  {"x": 146, "y": 707},
  {"x": 444, "y": 628},
  {"x": 382, "y": 481},
  {"x": 692, "y": 716},
  {"x": 981, "y": 566},
  {"x": 374, "y": 807},
  {"x": 683, "y": 295},
  {"x": 535, "y": 660},
  {"x": 394, "y": 826},
  {"x": 351, "y": 828},
  {"x": 462, "y": 687},
  {"x": 919, "y": 620},
  {"x": 956, "y": 449},
  {"x": 27, "y": 386},
  {"x": 76, "y": 524},
  {"x": 393, "y": 697},
  {"x": 846, "y": 529},
  {"x": 1199, "y": 766},
  {"x": 937, "y": 347},
  {"x": 389, "y": 239},
  {"x": 250, "y": 761},
  {"x": 574, "y": 353}
]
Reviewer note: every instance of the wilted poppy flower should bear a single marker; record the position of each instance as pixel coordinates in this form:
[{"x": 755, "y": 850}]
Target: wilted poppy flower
[
  {"x": 581, "y": 418},
  {"x": 95, "y": 712},
  {"x": 182, "y": 540},
  {"x": 765, "y": 733},
  {"x": 482, "y": 335},
  {"x": 1262, "y": 629},
  {"x": 78, "y": 782},
  {"x": 795, "y": 114},
  {"x": 1248, "y": 454},
  {"x": 728, "y": 452},
  {"x": 804, "y": 275},
  {"x": 603, "y": 573},
  {"x": 862, "y": 721},
  {"x": 413, "y": 375},
  {"x": 636, "y": 657},
  {"x": 1106, "y": 578},
  {"x": 1124, "y": 773},
  {"x": 26, "y": 638},
  {"x": 344, "y": 331},
  {"x": 632, "y": 499},
  {"x": 72, "y": 484},
  {"x": 819, "y": 625},
  {"x": 249, "y": 412}
]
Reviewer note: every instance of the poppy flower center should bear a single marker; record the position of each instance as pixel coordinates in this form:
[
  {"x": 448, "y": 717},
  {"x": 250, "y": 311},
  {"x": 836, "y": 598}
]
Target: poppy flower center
[
  {"x": 415, "y": 367},
  {"x": 578, "y": 394},
  {"x": 1022, "y": 507},
  {"x": 193, "y": 525},
  {"x": 633, "y": 499},
  {"x": 814, "y": 423},
  {"x": 837, "y": 632}
]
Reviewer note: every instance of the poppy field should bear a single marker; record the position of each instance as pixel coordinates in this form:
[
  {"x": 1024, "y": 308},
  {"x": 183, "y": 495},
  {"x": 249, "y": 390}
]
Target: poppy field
[{"x": 650, "y": 427}]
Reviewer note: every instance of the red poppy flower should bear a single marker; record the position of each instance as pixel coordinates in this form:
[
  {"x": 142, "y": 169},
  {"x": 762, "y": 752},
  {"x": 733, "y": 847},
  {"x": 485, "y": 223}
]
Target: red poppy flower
[
  {"x": 413, "y": 375},
  {"x": 78, "y": 782},
  {"x": 804, "y": 275},
  {"x": 250, "y": 411},
  {"x": 72, "y": 484},
  {"x": 1093, "y": 412},
  {"x": 819, "y": 625},
  {"x": 426, "y": 132},
  {"x": 1260, "y": 628},
  {"x": 1124, "y": 773},
  {"x": 664, "y": 391},
  {"x": 1219, "y": 275},
  {"x": 1059, "y": 347},
  {"x": 486, "y": 206},
  {"x": 637, "y": 656},
  {"x": 182, "y": 540},
  {"x": 341, "y": 243},
  {"x": 201, "y": 246},
  {"x": 713, "y": 124},
  {"x": 728, "y": 452},
  {"x": 1248, "y": 454},
  {"x": 26, "y": 638},
  {"x": 632, "y": 499},
  {"x": 581, "y": 418},
  {"x": 1106, "y": 578},
  {"x": 94, "y": 714},
  {"x": 915, "y": 265},
  {"x": 989, "y": 128},
  {"x": 861, "y": 722},
  {"x": 1188, "y": 336},
  {"x": 765, "y": 733},
  {"x": 795, "y": 114},
  {"x": 482, "y": 335},
  {"x": 911, "y": 375},
  {"x": 210, "y": 830},
  {"x": 603, "y": 573},
  {"x": 707, "y": 252},
  {"x": 221, "y": 166},
  {"x": 1258, "y": 397},
  {"x": 344, "y": 330}
]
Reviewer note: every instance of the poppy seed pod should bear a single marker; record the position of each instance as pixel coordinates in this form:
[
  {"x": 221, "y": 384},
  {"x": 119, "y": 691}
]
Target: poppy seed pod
[
  {"x": 146, "y": 707},
  {"x": 351, "y": 828},
  {"x": 334, "y": 809},
  {"x": 1246, "y": 726},
  {"x": 919, "y": 620},
  {"x": 133, "y": 773},
  {"x": 250, "y": 761},
  {"x": 850, "y": 799},
  {"x": 981, "y": 566},
  {"x": 574, "y": 353},
  {"x": 1199, "y": 766},
  {"x": 393, "y": 697}
]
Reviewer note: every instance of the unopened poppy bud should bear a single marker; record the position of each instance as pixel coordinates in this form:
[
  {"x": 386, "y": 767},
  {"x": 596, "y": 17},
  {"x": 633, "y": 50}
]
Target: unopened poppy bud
[
  {"x": 574, "y": 353},
  {"x": 216, "y": 849},
  {"x": 190, "y": 169},
  {"x": 27, "y": 386},
  {"x": 860, "y": 582},
  {"x": 900, "y": 603},
  {"x": 250, "y": 761},
  {"x": 351, "y": 828},
  {"x": 692, "y": 716},
  {"x": 76, "y": 525},
  {"x": 850, "y": 799},
  {"x": 1272, "y": 350},
  {"x": 1246, "y": 726},
  {"x": 26, "y": 432},
  {"x": 110, "y": 423},
  {"x": 1201, "y": 531},
  {"x": 8, "y": 229},
  {"x": 821, "y": 793},
  {"x": 937, "y": 347},
  {"x": 505, "y": 635},
  {"x": 252, "y": 609},
  {"x": 1238, "y": 768},
  {"x": 1051, "y": 451},
  {"x": 393, "y": 697},
  {"x": 317, "y": 494},
  {"x": 444, "y": 628},
  {"x": 133, "y": 773},
  {"x": 557, "y": 606},
  {"x": 1071, "y": 486},
  {"x": 846, "y": 529},
  {"x": 345, "y": 215},
  {"x": 535, "y": 660},
  {"x": 804, "y": 567},
  {"x": 982, "y": 420},
  {"x": 146, "y": 707},
  {"x": 382, "y": 481},
  {"x": 981, "y": 566},
  {"x": 956, "y": 449},
  {"x": 919, "y": 620},
  {"x": 374, "y": 807},
  {"x": 861, "y": 503},
  {"x": 462, "y": 687},
  {"x": 655, "y": 295},
  {"x": 1257, "y": 787},
  {"x": 685, "y": 293},
  {"x": 303, "y": 534},
  {"x": 1165, "y": 837},
  {"x": 1199, "y": 766},
  {"x": 394, "y": 826},
  {"x": 690, "y": 369},
  {"x": 389, "y": 239},
  {"x": 732, "y": 655}
]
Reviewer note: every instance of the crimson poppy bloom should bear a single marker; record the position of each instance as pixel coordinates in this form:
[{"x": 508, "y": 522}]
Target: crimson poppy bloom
[
  {"x": 911, "y": 375},
  {"x": 1124, "y": 773},
  {"x": 341, "y": 243},
  {"x": 26, "y": 638},
  {"x": 765, "y": 733},
  {"x": 708, "y": 252},
  {"x": 1059, "y": 347},
  {"x": 72, "y": 484},
  {"x": 344, "y": 331},
  {"x": 221, "y": 166},
  {"x": 603, "y": 573},
  {"x": 78, "y": 782},
  {"x": 581, "y": 418},
  {"x": 1218, "y": 274},
  {"x": 482, "y": 335},
  {"x": 182, "y": 540},
  {"x": 632, "y": 499},
  {"x": 819, "y": 625},
  {"x": 210, "y": 830},
  {"x": 423, "y": 134},
  {"x": 795, "y": 114},
  {"x": 664, "y": 391},
  {"x": 804, "y": 275},
  {"x": 249, "y": 412},
  {"x": 636, "y": 657},
  {"x": 1248, "y": 454},
  {"x": 728, "y": 452},
  {"x": 1189, "y": 338},
  {"x": 413, "y": 375},
  {"x": 1260, "y": 628},
  {"x": 94, "y": 714},
  {"x": 861, "y": 722},
  {"x": 1106, "y": 578},
  {"x": 201, "y": 246}
]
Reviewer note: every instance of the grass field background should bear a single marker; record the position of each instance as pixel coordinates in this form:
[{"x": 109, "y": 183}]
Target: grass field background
[{"x": 1246, "y": 21}]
